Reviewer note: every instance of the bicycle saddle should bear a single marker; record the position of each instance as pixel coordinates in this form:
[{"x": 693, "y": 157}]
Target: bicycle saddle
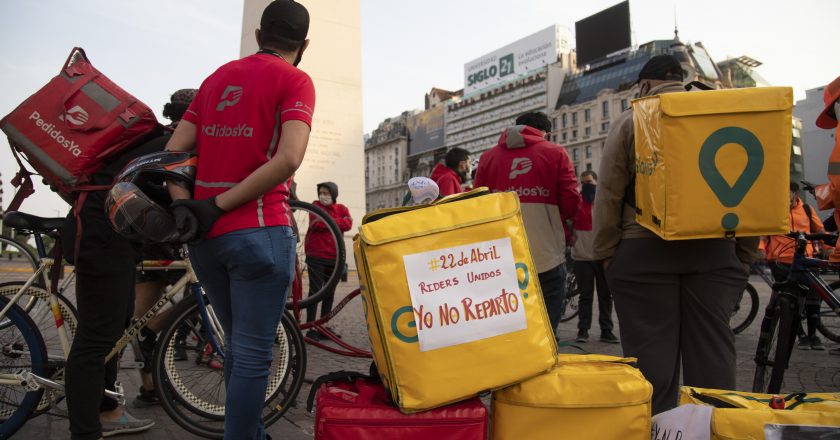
[{"x": 33, "y": 223}]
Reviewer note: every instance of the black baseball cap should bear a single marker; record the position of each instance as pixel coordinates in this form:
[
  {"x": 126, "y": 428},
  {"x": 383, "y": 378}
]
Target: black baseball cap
[
  {"x": 662, "y": 67},
  {"x": 285, "y": 18}
]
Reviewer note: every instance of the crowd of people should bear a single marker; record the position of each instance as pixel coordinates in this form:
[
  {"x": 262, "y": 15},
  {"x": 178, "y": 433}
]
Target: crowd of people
[{"x": 673, "y": 299}]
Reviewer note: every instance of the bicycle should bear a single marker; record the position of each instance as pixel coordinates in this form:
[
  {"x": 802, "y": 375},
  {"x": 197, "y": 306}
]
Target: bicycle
[
  {"x": 781, "y": 317},
  {"x": 28, "y": 369},
  {"x": 570, "y": 302}
]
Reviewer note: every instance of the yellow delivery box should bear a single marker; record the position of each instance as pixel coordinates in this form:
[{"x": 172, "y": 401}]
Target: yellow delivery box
[
  {"x": 713, "y": 163},
  {"x": 451, "y": 299}
]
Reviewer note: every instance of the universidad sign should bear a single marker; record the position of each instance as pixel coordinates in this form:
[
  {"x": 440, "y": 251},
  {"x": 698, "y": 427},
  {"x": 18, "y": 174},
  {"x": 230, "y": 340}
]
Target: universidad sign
[{"x": 516, "y": 59}]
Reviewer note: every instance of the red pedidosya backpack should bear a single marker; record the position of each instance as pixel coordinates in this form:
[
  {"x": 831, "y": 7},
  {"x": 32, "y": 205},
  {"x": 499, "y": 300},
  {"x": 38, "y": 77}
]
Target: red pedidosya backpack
[{"x": 66, "y": 130}]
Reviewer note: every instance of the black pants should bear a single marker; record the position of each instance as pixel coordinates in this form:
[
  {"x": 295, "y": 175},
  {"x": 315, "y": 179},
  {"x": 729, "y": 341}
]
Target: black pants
[
  {"x": 812, "y": 301},
  {"x": 590, "y": 276},
  {"x": 320, "y": 270},
  {"x": 674, "y": 300},
  {"x": 105, "y": 302}
]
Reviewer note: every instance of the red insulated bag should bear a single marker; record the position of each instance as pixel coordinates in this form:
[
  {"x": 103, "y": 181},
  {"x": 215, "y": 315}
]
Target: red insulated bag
[
  {"x": 66, "y": 129},
  {"x": 359, "y": 409}
]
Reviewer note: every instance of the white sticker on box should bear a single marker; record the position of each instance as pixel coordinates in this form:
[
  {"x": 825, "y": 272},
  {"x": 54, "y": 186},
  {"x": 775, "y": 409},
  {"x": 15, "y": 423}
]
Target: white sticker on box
[{"x": 465, "y": 293}]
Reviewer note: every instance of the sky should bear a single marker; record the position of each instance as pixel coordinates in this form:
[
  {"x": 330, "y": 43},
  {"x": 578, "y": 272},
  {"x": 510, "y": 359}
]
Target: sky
[{"x": 154, "y": 47}]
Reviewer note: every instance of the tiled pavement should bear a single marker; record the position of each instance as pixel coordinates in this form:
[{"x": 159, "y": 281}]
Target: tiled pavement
[{"x": 810, "y": 370}]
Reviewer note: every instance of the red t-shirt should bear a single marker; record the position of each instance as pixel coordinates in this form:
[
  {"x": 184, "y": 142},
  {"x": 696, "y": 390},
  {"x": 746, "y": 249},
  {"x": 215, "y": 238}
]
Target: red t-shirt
[{"x": 238, "y": 113}]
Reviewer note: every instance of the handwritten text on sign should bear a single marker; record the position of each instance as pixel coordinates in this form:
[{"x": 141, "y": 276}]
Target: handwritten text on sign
[{"x": 465, "y": 293}]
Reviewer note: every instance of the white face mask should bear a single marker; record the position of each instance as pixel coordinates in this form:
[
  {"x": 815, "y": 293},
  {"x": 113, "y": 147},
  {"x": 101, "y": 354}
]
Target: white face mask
[{"x": 325, "y": 200}]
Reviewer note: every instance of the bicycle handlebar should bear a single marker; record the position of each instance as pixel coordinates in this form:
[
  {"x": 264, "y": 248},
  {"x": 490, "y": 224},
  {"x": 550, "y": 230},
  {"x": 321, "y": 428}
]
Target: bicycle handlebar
[{"x": 811, "y": 237}]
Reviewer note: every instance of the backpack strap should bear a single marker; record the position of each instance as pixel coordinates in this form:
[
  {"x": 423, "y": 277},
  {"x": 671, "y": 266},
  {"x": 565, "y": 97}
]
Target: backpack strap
[
  {"x": 809, "y": 212},
  {"x": 22, "y": 181}
]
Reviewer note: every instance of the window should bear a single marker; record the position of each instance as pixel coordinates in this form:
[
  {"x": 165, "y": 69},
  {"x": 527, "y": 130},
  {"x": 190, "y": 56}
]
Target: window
[
  {"x": 574, "y": 119},
  {"x": 574, "y": 134},
  {"x": 605, "y": 109},
  {"x": 564, "y": 136},
  {"x": 554, "y": 138},
  {"x": 589, "y": 152},
  {"x": 587, "y": 115},
  {"x": 563, "y": 117},
  {"x": 587, "y": 131},
  {"x": 588, "y": 167},
  {"x": 553, "y": 124},
  {"x": 605, "y": 126},
  {"x": 574, "y": 154},
  {"x": 624, "y": 105}
]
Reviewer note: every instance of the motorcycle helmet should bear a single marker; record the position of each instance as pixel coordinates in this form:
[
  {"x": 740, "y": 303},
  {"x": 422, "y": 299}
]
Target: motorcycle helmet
[{"x": 138, "y": 203}]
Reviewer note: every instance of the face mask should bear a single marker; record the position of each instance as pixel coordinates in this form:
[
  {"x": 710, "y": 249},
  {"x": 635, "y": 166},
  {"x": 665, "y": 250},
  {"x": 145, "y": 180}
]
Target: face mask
[
  {"x": 325, "y": 200},
  {"x": 587, "y": 190}
]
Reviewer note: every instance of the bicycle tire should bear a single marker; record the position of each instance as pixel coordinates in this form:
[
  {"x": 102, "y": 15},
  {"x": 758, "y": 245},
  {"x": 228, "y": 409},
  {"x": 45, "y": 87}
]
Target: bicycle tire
[
  {"x": 765, "y": 349},
  {"x": 302, "y": 213},
  {"x": 741, "y": 324},
  {"x": 16, "y": 340},
  {"x": 571, "y": 301},
  {"x": 44, "y": 320},
  {"x": 829, "y": 324},
  {"x": 29, "y": 257},
  {"x": 193, "y": 398},
  {"x": 784, "y": 343}
]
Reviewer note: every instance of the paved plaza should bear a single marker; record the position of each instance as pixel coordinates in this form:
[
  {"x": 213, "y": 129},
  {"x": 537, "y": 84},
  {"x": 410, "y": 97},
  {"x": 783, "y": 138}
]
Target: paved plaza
[{"x": 810, "y": 371}]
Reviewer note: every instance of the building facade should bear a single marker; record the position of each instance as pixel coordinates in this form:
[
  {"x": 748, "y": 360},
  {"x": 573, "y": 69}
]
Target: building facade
[
  {"x": 385, "y": 164},
  {"x": 589, "y": 100},
  {"x": 817, "y": 143}
]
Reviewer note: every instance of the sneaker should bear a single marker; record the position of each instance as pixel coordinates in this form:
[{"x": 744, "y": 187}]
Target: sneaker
[
  {"x": 583, "y": 336},
  {"x": 314, "y": 334},
  {"x": 816, "y": 343},
  {"x": 126, "y": 424},
  {"x": 146, "y": 398},
  {"x": 146, "y": 341},
  {"x": 804, "y": 343},
  {"x": 609, "y": 338}
]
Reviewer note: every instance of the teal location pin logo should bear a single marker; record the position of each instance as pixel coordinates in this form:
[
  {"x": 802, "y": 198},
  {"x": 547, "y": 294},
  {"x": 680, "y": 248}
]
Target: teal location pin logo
[{"x": 731, "y": 196}]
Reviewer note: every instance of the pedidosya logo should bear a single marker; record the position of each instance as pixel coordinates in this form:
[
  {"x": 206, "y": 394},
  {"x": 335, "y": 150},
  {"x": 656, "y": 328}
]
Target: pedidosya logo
[
  {"x": 76, "y": 115},
  {"x": 520, "y": 166},
  {"x": 56, "y": 134},
  {"x": 230, "y": 97}
]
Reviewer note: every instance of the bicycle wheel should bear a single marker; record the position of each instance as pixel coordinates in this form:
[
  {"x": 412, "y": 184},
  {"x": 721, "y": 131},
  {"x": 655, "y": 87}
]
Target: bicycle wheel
[
  {"x": 829, "y": 324},
  {"x": 21, "y": 348},
  {"x": 765, "y": 350},
  {"x": 189, "y": 375},
  {"x": 745, "y": 310},
  {"x": 570, "y": 303},
  {"x": 44, "y": 320},
  {"x": 307, "y": 216},
  {"x": 20, "y": 259}
]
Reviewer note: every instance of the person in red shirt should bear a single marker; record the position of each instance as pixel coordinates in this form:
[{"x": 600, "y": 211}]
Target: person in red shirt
[
  {"x": 320, "y": 249},
  {"x": 453, "y": 172},
  {"x": 543, "y": 176},
  {"x": 249, "y": 125}
]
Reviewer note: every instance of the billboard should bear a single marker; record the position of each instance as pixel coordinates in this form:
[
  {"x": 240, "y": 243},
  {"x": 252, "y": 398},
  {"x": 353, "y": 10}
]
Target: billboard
[
  {"x": 603, "y": 33},
  {"x": 516, "y": 59},
  {"x": 425, "y": 130}
]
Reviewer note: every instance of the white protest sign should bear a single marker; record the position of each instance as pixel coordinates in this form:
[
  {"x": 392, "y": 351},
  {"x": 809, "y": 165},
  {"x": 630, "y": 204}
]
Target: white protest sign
[
  {"x": 464, "y": 293},
  {"x": 686, "y": 422}
]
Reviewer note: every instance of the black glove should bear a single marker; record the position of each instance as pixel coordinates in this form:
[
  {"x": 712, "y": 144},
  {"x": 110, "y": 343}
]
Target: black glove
[
  {"x": 194, "y": 218},
  {"x": 185, "y": 224}
]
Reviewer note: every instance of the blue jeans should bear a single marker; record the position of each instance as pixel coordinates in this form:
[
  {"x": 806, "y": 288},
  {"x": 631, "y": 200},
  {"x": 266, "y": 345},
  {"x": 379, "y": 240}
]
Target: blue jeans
[
  {"x": 247, "y": 274},
  {"x": 553, "y": 284}
]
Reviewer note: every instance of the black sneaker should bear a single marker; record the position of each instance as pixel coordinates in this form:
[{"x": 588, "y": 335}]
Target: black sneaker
[
  {"x": 313, "y": 334},
  {"x": 146, "y": 398},
  {"x": 609, "y": 338},
  {"x": 180, "y": 343},
  {"x": 583, "y": 336},
  {"x": 804, "y": 343},
  {"x": 816, "y": 343}
]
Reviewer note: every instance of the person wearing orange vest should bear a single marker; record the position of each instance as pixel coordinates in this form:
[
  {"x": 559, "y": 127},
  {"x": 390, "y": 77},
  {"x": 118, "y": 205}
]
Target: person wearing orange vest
[
  {"x": 780, "y": 250},
  {"x": 828, "y": 195}
]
